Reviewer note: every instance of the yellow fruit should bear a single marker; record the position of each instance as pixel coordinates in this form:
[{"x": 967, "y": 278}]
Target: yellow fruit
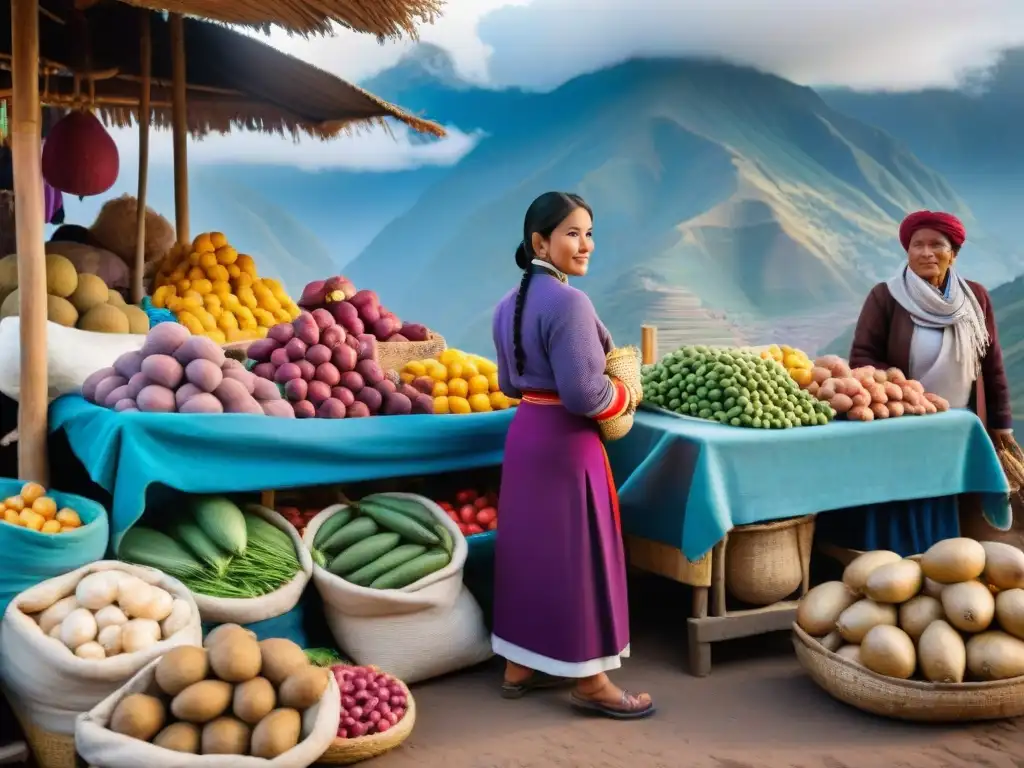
[
  {"x": 217, "y": 272},
  {"x": 222, "y": 288},
  {"x": 203, "y": 244},
  {"x": 183, "y": 285},
  {"x": 416, "y": 368},
  {"x": 161, "y": 294},
  {"x": 233, "y": 271},
  {"x": 50, "y": 526},
  {"x": 284, "y": 316},
  {"x": 450, "y": 355},
  {"x": 246, "y": 264},
  {"x": 14, "y": 502},
  {"x": 794, "y": 361},
  {"x": 469, "y": 370},
  {"x": 196, "y": 273},
  {"x": 801, "y": 376},
  {"x": 406, "y": 377},
  {"x": 264, "y": 317},
  {"x": 480, "y": 403},
  {"x": 486, "y": 367},
  {"x": 208, "y": 321},
  {"x": 499, "y": 401},
  {"x": 218, "y": 240},
  {"x": 457, "y": 405},
  {"x": 440, "y": 389},
  {"x": 226, "y": 255},
  {"x": 458, "y": 387},
  {"x": 440, "y": 406},
  {"x": 191, "y": 322},
  {"x": 478, "y": 385},
  {"x": 30, "y": 492},
  {"x": 45, "y": 507},
  {"x": 12, "y": 517},
  {"x": 456, "y": 369},
  {"x": 437, "y": 371},
  {"x": 492, "y": 381},
  {"x": 207, "y": 260},
  {"x": 32, "y": 519},
  {"x": 227, "y": 322},
  {"x": 244, "y": 280},
  {"x": 217, "y": 336}
]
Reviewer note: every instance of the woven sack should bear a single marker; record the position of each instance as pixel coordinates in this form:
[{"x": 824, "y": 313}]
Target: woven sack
[
  {"x": 393, "y": 355},
  {"x": 429, "y": 628}
]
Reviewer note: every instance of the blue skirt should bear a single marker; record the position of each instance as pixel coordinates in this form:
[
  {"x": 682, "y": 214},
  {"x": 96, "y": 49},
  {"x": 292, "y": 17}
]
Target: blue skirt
[{"x": 904, "y": 527}]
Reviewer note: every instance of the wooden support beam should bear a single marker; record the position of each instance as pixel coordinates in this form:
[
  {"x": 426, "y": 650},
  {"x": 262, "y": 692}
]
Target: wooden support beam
[{"x": 179, "y": 127}]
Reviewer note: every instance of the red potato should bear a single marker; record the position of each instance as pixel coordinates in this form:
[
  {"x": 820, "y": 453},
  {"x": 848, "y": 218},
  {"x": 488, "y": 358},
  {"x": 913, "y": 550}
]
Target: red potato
[
  {"x": 396, "y": 404},
  {"x": 841, "y": 403},
  {"x": 423, "y": 405},
  {"x": 282, "y": 333},
  {"x": 352, "y": 381},
  {"x": 396, "y": 338},
  {"x": 317, "y": 392},
  {"x": 93, "y": 379},
  {"x": 467, "y": 514},
  {"x": 331, "y": 409},
  {"x": 861, "y": 413},
  {"x": 279, "y": 357},
  {"x": 895, "y": 407},
  {"x": 486, "y": 515},
  {"x": 296, "y": 349},
  {"x": 265, "y": 370},
  {"x": 357, "y": 410},
  {"x": 306, "y": 369},
  {"x": 264, "y": 389},
  {"x": 408, "y": 390},
  {"x": 261, "y": 349},
  {"x": 333, "y": 336},
  {"x": 347, "y": 316},
  {"x": 386, "y": 386},
  {"x": 327, "y": 373},
  {"x": 287, "y": 372},
  {"x": 820, "y": 375},
  {"x": 296, "y": 389},
  {"x": 128, "y": 364},
  {"x": 369, "y": 314},
  {"x": 366, "y": 346},
  {"x": 344, "y": 358},
  {"x": 313, "y": 294},
  {"x": 318, "y": 353},
  {"x": 365, "y": 297},
  {"x": 370, "y": 370},
  {"x": 371, "y": 397},
  {"x": 322, "y": 318},
  {"x": 344, "y": 394},
  {"x": 880, "y": 410},
  {"x": 304, "y": 409}
]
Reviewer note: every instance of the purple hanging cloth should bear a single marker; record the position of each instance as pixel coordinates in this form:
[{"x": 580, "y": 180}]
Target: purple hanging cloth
[{"x": 53, "y": 202}]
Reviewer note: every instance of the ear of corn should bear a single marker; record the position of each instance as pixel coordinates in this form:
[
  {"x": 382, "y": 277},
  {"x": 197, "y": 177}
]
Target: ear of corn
[
  {"x": 144, "y": 546},
  {"x": 192, "y": 536},
  {"x": 222, "y": 521}
]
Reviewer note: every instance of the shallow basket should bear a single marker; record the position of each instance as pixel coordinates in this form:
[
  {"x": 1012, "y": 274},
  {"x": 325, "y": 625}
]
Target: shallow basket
[
  {"x": 49, "y": 750},
  {"x": 393, "y": 355},
  {"x": 349, "y": 751},
  {"x": 622, "y": 363},
  {"x": 765, "y": 563},
  {"x": 906, "y": 699}
]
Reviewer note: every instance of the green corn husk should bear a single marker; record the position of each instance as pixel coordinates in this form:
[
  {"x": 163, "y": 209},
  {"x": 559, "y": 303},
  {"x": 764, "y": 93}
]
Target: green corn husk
[
  {"x": 259, "y": 530},
  {"x": 222, "y": 521},
  {"x": 192, "y": 536},
  {"x": 144, "y": 546}
]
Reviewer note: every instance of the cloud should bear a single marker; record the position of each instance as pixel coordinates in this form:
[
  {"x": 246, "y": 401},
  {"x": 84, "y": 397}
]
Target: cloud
[
  {"x": 372, "y": 150},
  {"x": 869, "y": 44}
]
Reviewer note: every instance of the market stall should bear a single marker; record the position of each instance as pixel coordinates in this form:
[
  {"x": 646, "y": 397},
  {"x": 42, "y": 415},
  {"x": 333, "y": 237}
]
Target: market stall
[{"x": 693, "y": 492}]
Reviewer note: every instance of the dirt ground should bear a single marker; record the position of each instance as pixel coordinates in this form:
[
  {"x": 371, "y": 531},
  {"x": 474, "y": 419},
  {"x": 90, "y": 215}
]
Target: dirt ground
[{"x": 756, "y": 710}]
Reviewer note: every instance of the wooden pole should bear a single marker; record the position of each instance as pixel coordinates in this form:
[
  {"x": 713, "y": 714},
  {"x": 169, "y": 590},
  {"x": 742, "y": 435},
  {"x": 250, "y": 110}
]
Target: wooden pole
[
  {"x": 648, "y": 344},
  {"x": 29, "y": 212},
  {"x": 145, "y": 63},
  {"x": 179, "y": 126}
]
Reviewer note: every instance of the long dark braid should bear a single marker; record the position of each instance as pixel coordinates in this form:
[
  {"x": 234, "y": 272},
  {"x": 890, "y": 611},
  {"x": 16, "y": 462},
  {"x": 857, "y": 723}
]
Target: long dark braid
[{"x": 517, "y": 323}]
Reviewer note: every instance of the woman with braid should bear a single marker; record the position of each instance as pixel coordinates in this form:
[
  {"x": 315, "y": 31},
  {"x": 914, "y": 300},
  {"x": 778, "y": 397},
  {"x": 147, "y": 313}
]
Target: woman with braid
[{"x": 560, "y": 613}]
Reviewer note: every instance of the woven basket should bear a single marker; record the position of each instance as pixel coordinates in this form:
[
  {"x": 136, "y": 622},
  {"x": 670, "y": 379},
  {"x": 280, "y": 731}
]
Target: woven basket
[
  {"x": 623, "y": 363},
  {"x": 393, "y": 355},
  {"x": 767, "y": 562},
  {"x": 49, "y": 750},
  {"x": 349, "y": 751},
  {"x": 906, "y": 699}
]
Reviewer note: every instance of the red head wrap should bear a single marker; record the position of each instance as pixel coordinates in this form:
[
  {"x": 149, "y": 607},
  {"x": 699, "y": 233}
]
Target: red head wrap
[{"x": 946, "y": 223}]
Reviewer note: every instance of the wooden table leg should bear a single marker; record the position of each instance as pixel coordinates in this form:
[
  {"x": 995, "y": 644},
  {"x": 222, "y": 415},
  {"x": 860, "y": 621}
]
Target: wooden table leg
[
  {"x": 267, "y": 499},
  {"x": 699, "y": 653}
]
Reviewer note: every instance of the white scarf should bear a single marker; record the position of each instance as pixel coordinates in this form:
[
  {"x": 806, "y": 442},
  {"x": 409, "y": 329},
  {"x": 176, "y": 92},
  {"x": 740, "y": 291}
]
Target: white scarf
[{"x": 965, "y": 338}]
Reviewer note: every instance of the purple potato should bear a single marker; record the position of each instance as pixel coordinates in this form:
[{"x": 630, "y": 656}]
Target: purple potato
[
  {"x": 164, "y": 369},
  {"x": 371, "y": 397},
  {"x": 105, "y": 387},
  {"x": 385, "y": 386},
  {"x": 369, "y": 313},
  {"x": 232, "y": 364},
  {"x": 263, "y": 389},
  {"x": 352, "y": 381},
  {"x": 281, "y": 409},
  {"x": 331, "y": 409},
  {"x": 296, "y": 389},
  {"x": 328, "y": 373},
  {"x": 230, "y": 392},
  {"x": 296, "y": 349},
  {"x": 318, "y": 354},
  {"x": 245, "y": 404},
  {"x": 353, "y": 341},
  {"x": 164, "y": 339},
  {"x": 333, "y": 336},
  {"x": 265, "y": 370},
  {"x": 415, "y": 332},
  {"x": 357, "y": 410},
  {"x": 322, "y": 318},
  {"x": 128, "y": 364},
  {"x": 261, "y": 349},
  {"x": 242, "y": 376},
  {"x": 94, "y": 378},
  {"x": 364, "y": 297},
  {"x": 344, "y": 357},
  {"x": 423, "y": 404},
  {"x": 317, "y": 392},
  {"x": 396, "y": 338},
  {"x": 279, "y": 357},
  {"x": 397, "y": 404},
  {"x": 125, "y": 404},
  {"x": 410, "y": 391},
  {"x": 304, "y": 409},
  {"x": 367, "y": 347},
  {"x": 306, "y": 329},
  {"x": 384, "y": 327},
  {"x": 287, "y": 372},
  {"x": 121, "y": 393},
  {"x": 313, "y": 294},
  {"x": 307, "y": 369},
  {"x": 370, "y": 370},
  {"x": 347, "y": 316},
  {"x": 136, "y": 384},
  {"x": 282, "y": 333},
  {"x": 204, "y": 375},
  {"x": 203, "y": 402},
  {"x": 185, "y": 393},
  {"x": 156, "y": 399},
  {"x": 344, "y": 394},
  {"x": 423, "y": 384},
  {"x": 198, "y": 347}
]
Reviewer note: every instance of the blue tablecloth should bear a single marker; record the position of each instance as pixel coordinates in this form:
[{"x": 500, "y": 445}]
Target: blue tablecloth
[
  {"x": 724, "y": 476},
  {"x": 211, "y": 453}
]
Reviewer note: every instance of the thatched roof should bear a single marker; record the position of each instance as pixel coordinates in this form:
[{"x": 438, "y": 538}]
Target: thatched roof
[
  {"x": 234, "y": 81},
  {"x": 383, "y": 18}
]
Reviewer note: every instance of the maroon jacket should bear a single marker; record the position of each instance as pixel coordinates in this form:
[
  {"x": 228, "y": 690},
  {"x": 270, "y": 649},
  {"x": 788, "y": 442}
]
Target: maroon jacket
[{"x": 882, "y": 339}]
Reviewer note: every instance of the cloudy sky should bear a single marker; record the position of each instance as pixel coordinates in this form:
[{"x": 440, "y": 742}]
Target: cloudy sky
[{"x": 538, "y": 44}]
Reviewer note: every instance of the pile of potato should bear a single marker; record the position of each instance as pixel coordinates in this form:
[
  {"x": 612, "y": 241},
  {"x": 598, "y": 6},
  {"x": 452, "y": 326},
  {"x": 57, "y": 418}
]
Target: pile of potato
[
  {"x": 867, "y": 393},
  {"x": 234, "y": 696},
  {"x": 954, "y": 613}
]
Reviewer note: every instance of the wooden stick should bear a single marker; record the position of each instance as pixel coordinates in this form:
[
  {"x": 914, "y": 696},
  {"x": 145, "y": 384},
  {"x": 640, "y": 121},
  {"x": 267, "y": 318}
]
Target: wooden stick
[
  {"x": 29, "y": 212},
  {"x": 145, "y": 63},
  {"x": 179, "y": 127},
  {"x": 648, "y": 344}
]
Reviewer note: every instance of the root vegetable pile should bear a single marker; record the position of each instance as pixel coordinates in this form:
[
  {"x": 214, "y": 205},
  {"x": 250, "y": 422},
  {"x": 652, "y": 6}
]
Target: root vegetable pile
[
  {"x": 215, "y": 291},
  {"x": 217, "y": 550},
  {"x": 954, "y": 614},
  {"x": 473, "y": 512},
  {"x": 359, "y": 312},
  {"x": 731, "y": 387},
  {"x": 34, "y": 510},
  {"x": 329, "y": 372},
  {"x": 458, "y": 382},
  {"x": 113, "y": 612},
  {"x": 383, "y": 542},
  {"x": 176, "y": 372},
  {"x": 235, "y": 696},
  {"x": 868, "y": 393},
  {"x": 371, "y": 701}
]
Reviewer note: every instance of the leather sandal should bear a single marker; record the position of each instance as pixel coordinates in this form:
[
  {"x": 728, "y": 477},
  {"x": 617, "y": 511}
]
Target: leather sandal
[
  {"x": 630, "y": 707},
  {"x": 538, "y": 681}
]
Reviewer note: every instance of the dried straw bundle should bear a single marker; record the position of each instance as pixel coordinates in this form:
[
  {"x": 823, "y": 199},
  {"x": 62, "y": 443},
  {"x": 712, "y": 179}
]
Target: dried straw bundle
[
  {"x": 1012, "y": 459},
  {"x": 115, "y": 227}
]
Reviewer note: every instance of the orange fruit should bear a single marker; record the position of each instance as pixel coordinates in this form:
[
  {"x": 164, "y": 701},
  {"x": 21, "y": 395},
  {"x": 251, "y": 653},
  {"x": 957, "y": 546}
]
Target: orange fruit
[
  {"x": 498, "y": 401},
  {"x": 480, "y": 403},
  {"x": 50, "y": 526},
  {"x": 440, "y": 389},
  {"x": 45, "y": 507},
  {"x": 31, "y": 491},
  {"x": 478, "y": 385},
  {"x": 458, "y": 405},
  {"x": 68, "y": 518},
  {"x": 458, "y": 387},
  {"x": 441, "y": 404},
  {"x": 15, "y": 502}
]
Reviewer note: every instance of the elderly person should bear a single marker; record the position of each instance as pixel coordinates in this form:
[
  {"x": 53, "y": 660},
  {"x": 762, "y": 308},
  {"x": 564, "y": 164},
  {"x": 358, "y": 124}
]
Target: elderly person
[{"x": 937, "y": 327}]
